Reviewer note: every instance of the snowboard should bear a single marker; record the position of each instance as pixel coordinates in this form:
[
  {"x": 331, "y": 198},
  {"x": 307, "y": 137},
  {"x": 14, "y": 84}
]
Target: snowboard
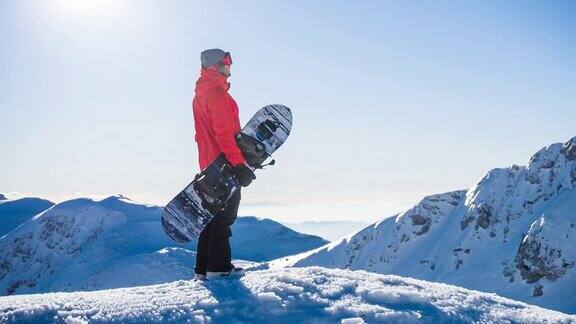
[{"x": 187, "y": 214}]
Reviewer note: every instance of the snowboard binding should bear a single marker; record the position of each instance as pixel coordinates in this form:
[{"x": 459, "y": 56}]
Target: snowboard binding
[
  {"x": 253, "y": 150},
  {"x": 214, "y": 189},
  {"x": 266, "y": 129}
]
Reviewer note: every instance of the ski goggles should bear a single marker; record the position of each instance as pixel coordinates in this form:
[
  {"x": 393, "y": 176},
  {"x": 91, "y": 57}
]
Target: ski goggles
[{"x": 227, "y": 59}]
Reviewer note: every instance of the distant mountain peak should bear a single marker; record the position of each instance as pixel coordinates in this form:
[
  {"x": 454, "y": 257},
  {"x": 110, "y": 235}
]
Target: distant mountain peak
[
  {"x": 118, "y": 197},
  {"x": 2, "y": 197}
]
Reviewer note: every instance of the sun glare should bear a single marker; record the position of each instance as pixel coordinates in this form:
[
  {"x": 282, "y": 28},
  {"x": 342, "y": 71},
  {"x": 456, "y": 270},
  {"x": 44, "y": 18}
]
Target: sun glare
[{"x": 88, "y": 9}]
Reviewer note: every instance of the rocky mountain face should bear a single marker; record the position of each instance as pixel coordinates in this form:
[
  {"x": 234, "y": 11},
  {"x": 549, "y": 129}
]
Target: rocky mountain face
[
  {"x": 513, "y": 233},
  {"x": 83, "y": 244}
]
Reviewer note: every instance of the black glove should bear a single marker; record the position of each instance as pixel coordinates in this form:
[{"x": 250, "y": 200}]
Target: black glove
[{"x": 243, "y": 174}]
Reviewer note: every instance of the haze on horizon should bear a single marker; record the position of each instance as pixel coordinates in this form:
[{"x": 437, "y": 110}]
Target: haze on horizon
[{"x": 391, "y": 101}]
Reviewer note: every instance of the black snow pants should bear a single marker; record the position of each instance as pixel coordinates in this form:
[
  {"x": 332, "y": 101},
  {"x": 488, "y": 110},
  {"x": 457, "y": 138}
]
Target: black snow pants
[{"x": 213, "y": 252}]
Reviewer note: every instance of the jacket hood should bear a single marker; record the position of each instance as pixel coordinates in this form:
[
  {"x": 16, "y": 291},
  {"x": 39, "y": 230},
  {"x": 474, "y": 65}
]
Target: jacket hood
[{"x": 210, "y": 79}]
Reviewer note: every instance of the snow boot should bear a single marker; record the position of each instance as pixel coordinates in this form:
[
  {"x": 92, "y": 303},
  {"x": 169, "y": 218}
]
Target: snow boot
[{"x": 235, "y": 272}]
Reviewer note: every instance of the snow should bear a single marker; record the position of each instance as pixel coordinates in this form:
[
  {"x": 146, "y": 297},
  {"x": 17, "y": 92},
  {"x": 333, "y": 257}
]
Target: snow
[
  {"x": 86, "y": 244},
  {"x": 512, "y": 233},
  {"x": 14, "y": 212},
  {"x": 311, "y": 294}
]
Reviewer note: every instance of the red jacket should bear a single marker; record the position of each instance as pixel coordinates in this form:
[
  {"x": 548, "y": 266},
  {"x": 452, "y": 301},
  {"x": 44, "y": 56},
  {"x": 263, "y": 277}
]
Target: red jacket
[{"x": 216, "y": 119}]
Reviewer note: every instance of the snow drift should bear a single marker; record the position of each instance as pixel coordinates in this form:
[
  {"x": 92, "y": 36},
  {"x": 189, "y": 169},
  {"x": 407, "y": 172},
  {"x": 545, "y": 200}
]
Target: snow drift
[
  {"x": 298, "y": 295},
  {"x": 512, "y": 233}
]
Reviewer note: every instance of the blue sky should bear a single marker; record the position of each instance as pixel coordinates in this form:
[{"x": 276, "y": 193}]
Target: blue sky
[{"x": 391, "y": 100}]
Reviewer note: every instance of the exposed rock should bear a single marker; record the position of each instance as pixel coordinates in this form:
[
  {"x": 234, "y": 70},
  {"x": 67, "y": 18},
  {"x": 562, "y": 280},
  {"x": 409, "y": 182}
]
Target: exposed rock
[
  {"x": 549, "y": 164},
  {"x": 405, "y": 238},
  {"x": 456, "y": 196},
  {"x": 418, "y": 219},
  {"x": 552, "y": 177},
  {"x": 464, "y": 223},
  {"x": 2, "y": 197},
  {"x": 421, "y": 217},
  {"x": 569, "y": 149},
  {"x": 484, "y": 215},
  {"x": 431, "y": 265},
  {"x": 534, "y": 157},
  {"x": 538, "y": 291},
  {"x": 458, "y": 263},
  {"x": 508, "y": 270},
  {"x": 539, "y": 257},
  {"x": 533, "y": 178}
]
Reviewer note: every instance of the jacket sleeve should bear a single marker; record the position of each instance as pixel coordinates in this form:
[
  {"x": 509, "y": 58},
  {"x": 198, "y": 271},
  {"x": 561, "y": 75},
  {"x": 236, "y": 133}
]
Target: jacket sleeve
[{"x": 224, "y": 123}]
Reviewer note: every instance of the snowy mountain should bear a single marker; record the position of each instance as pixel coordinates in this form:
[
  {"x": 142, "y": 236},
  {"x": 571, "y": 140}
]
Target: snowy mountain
[
  {"x": 259, "y": 239},
  {"x": 330, "y": 230},
  {"x": 512, "y": 233},
  {"x": 300, "y": 295},
  {"x": 83, "y": 244},
  {"x": 17, "y": 211}
]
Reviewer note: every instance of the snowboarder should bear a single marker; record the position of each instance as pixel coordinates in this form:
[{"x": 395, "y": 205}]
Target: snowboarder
[{"x": 216, "y": 123}]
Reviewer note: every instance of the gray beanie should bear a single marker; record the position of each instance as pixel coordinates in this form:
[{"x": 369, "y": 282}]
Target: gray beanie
[{"x": 210, "y": 57}]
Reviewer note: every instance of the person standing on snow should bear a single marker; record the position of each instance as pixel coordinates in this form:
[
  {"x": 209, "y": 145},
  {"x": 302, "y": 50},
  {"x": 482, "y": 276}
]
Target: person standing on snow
[{"x": 217, "y": 123}]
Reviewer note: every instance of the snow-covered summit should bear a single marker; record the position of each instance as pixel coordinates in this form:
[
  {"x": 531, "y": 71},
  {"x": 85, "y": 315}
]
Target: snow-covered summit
[
  {"x": 32, "y": 255},
  {"x": 300, "y": 295},
  {"x": 512, "y": 233},
  {"x": 15, "y": 211}
]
